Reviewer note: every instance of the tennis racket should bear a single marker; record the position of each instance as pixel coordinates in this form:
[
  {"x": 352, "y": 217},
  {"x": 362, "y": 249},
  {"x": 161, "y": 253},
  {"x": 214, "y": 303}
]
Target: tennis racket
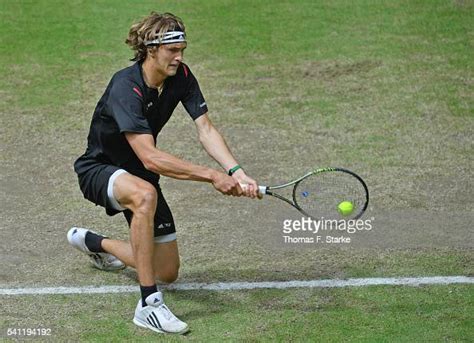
[{"x": 331, "y": 193}]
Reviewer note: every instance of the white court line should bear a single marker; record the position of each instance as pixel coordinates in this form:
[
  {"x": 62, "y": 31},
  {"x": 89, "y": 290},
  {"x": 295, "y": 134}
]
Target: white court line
[{"x": 225, "y": 286}]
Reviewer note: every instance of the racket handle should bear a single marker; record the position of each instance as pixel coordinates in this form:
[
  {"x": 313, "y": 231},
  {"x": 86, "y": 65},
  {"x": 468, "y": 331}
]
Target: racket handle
[{"x": 261, "y": 189}]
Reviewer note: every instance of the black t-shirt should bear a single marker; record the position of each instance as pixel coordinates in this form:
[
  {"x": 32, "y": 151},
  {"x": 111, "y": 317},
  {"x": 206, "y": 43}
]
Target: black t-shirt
[{"x": 129, "y": 105}]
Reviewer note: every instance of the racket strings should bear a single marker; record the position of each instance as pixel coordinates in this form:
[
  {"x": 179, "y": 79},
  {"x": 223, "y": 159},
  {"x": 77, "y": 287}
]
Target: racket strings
[{"x": 319, "y": 195}]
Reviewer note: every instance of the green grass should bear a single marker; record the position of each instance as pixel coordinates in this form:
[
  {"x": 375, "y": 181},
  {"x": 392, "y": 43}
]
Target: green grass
[
  {"x": 400, "y": 42},
  {"x": 374, "y": 314},
  {"x": 381, "y": 87}
]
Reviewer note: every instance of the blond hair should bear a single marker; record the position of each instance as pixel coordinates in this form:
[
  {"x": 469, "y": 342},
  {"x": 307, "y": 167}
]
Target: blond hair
[{"x": 149, "y": 28}]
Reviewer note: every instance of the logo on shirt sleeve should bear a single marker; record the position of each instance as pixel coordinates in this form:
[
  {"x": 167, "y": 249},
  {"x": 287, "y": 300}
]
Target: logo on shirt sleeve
[{"x": 135, "y": 89}]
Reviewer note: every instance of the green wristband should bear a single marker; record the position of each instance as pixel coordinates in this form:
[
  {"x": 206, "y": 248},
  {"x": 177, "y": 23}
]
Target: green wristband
[{"x": 233, "y": 170}]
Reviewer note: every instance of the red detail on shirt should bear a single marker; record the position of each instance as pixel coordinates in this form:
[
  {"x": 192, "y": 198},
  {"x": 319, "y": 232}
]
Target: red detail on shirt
[
  {"x": 185, "y": 70},
  {"x": 135, "y": 89}
]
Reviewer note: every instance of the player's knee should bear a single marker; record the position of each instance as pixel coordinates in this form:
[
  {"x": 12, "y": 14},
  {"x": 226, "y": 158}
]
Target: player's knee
[
  {"x": 169, "y": 278},
  {"x": 146, "y": 199},
  {"x": 168, "y": 275}
]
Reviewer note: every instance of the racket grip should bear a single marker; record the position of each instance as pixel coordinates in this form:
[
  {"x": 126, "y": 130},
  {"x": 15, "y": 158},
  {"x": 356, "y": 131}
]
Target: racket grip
[{"x": 261, "y": 189}]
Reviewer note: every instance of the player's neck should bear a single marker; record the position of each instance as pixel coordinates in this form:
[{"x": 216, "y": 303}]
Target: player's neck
[{"x": 152, "y": 78}]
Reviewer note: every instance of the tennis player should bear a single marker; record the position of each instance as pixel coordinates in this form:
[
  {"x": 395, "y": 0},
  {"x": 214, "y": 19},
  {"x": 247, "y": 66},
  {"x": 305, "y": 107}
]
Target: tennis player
[{"x": 121, "y": 167}]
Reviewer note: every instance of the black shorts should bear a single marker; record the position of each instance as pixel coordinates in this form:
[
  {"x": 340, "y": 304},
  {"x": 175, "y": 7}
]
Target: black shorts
[{"x": 94, "y": 183}]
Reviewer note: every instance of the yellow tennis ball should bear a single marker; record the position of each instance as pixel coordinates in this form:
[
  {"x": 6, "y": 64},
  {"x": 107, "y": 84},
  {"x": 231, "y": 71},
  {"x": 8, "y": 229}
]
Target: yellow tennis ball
[{"x": 345, "y": 208}]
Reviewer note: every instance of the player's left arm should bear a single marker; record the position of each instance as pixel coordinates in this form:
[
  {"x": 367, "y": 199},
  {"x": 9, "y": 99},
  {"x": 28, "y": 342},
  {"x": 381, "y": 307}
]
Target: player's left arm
[{"x": 216, "y": 146}]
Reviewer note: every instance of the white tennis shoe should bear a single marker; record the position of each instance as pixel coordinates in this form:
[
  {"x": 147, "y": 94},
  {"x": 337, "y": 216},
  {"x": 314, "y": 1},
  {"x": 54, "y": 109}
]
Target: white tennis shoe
[
  {"x": 76, "y": 237},
  {"x": 157, "y": 316}
]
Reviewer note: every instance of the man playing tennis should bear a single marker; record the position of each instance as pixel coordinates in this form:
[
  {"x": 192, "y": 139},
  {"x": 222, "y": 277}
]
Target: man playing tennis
[{"x": 121, "y": 167}]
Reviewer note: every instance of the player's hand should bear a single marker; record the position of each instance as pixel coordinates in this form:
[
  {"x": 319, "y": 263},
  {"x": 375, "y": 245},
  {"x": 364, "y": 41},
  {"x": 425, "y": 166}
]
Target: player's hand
[
  {"x": 227, "y": 184},
  {"x": 250, "y": 187}
]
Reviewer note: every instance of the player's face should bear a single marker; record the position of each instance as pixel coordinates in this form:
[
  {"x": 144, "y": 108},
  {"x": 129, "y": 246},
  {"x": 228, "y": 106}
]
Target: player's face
[{"x": 168, "y": 57}]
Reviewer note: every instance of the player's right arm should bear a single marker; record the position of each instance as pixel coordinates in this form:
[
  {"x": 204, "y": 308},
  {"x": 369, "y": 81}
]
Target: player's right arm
[{"x": 163, "y": 163}]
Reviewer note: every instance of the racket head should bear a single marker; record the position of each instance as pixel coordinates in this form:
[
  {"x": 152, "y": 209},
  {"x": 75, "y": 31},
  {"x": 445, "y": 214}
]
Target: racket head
[{"x": 319, "y": 194}]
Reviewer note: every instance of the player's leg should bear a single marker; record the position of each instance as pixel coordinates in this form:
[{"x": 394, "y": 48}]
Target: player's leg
[
  {"x": 165, "y": 257},
  {"x": 165, "y": 251},
  {"x": 141, "y": 198},
  {"x": 113, "y": 189},
  {"x": 166, "y": 261},
  {"x": 96, "y": 184},
  {"x": 109, "y": 254},
  {"x": 154, "y": 314}
]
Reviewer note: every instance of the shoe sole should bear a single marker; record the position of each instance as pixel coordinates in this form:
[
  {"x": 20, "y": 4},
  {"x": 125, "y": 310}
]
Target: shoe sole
[
  {"x": 105, "y": 269},
  {"x": 148, "y": 326}
]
